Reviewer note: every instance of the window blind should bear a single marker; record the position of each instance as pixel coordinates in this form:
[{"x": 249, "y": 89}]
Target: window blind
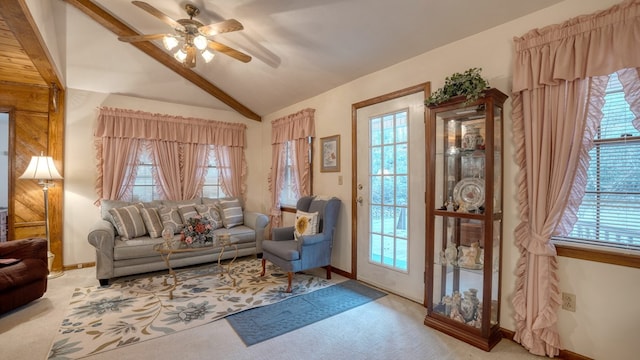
[{"x": 610, "y": 211}]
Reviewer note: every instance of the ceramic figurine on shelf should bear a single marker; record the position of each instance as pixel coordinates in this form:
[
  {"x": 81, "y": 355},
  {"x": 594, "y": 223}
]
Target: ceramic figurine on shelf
[
  {"x": 447, "y": 301},
  {"x": 451, "y": 254},
  {"x": 469, "y": 257}
]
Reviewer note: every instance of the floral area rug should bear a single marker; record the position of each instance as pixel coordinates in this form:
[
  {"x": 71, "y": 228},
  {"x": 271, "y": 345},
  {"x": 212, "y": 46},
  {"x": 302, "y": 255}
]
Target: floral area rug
[{"x": 131, "y": 311}]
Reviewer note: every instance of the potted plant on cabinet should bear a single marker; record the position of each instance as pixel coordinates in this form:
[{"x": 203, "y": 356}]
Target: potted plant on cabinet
[{"x": 469, "y": 83}]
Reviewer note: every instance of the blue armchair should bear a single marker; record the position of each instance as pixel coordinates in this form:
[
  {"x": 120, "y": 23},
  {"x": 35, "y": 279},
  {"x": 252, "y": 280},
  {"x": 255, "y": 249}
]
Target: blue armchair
[{"x": 308, "y": 251}]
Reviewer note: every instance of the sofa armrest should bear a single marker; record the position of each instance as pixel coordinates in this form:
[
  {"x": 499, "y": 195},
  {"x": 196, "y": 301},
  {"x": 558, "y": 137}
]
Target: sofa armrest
[
  {"x": 258, "y": 222},
  {"x": 282, "y": 233},
  {"x": 102, "y": 236},
  {"x": 31, "y": 248}
]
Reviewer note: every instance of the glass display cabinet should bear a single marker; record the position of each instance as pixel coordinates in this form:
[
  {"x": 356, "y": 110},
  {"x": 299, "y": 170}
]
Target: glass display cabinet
[{"x": 464, "y": 218}]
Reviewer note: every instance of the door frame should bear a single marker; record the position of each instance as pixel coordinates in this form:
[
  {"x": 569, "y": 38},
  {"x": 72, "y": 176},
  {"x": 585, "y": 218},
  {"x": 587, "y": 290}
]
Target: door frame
[{"x": 423, "y": 87}]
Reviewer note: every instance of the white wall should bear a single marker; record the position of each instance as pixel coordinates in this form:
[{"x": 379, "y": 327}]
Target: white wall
[
  {"x": 607, "y": 320},
  {"x": 80, "y": 164}
]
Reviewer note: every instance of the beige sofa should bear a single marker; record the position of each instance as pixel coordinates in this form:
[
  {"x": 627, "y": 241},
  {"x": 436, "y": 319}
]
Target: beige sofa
[{"x": 117, "y": 255}]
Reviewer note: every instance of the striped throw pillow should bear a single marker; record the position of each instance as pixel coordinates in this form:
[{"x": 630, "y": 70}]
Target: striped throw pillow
[
  {"x": 152, "y": 221},
  {"x": 231, "y": 212},
  {"x": 128, "y": 221}
]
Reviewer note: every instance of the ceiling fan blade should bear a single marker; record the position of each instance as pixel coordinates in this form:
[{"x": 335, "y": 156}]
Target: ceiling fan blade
[
  {"x": 229, "y": 51},
  {"x": 221, "y": 27},
  {"x": 136, "y": 38},
  {"x": 159, "y": 14}
]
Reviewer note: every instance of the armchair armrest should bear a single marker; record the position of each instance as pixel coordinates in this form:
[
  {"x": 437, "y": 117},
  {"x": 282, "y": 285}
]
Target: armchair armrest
[
  {"x": 31, "y": 248},
  {"x": 312, "y": 239},
  {"x": 282, "y": 233}
]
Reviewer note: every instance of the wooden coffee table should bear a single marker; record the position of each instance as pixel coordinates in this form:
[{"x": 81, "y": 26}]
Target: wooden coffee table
[{"x": 220, "y": 243}]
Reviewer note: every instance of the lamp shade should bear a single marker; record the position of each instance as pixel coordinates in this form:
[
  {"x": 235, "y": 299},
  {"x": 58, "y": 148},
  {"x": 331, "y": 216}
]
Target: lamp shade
[{"x": 41, "y": 168}]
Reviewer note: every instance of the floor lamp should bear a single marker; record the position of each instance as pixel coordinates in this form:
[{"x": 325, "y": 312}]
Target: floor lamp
[{"x": 43, "y": 169}]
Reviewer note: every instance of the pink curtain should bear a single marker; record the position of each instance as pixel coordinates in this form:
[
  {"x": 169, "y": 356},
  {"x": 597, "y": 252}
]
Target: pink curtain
[
  {"x": 119, "y": 156},
  {"x": 194, "y": 160},
  {"x": 558, "y": 87},
  {"x": 303, "y": 166},
  {"x": 232, "y": 171},
  {"x": 298, "y": 127},
  {"x": 630, "y": 80},
  {"x": 168, "y": 179},
  {"x": 179, "y": 146}
]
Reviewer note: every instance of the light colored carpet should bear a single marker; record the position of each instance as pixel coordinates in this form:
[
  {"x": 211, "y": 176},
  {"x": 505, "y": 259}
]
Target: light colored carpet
[{"x": 388, "y": 328}]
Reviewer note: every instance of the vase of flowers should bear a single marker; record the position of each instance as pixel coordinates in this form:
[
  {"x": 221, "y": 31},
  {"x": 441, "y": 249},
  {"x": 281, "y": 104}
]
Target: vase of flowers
[{"x": 198, "y": 232}]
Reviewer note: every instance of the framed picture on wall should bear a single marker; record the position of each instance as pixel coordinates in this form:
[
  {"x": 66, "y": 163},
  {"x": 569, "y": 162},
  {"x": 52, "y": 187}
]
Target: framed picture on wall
[{"x": 330, "y": 152}]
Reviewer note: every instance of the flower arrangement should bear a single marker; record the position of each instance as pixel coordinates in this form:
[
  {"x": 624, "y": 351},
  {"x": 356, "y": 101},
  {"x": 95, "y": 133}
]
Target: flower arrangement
[{"x": 197, "y": 231}]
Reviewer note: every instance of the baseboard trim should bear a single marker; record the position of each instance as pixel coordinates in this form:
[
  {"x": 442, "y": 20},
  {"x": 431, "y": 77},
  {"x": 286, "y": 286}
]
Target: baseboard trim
[
  {"x": 564, "y": 354},
  {"x": 78, "y": 266},
  {"x": 348, "y": 275}
]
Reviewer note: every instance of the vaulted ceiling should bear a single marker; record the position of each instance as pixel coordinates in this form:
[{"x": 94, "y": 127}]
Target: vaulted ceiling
[{"x": 299, "y": 48}]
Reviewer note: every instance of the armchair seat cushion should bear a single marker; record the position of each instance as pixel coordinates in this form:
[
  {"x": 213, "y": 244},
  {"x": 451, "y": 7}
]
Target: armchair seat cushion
[{"x": 286, "y": 250}]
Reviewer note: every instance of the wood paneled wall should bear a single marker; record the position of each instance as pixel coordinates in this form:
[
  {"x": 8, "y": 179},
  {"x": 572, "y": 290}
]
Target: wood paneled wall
[{"x": 34, "y": 127}]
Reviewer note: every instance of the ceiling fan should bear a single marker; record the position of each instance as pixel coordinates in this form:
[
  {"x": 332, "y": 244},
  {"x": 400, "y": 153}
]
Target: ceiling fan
[{"x": 190, "y": 36}]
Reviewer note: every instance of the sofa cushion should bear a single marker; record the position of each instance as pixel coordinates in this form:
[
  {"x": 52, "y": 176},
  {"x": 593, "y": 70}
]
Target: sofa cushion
[
  {"x": 286, "y": 249},
  {"x": 152, "y": 221},
  {"x": 187, "y": 212},
  {"x": 128, "y": 221},
  {"x": 231, "y": 212},
  {"x": 305, "y": 224},
  {"x": 211, "y": 213},
  {"x": 171, "y": 218}
]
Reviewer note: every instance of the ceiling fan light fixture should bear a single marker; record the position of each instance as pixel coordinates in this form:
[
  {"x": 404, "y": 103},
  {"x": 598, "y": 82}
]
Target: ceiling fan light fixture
[
  {"x": 200, "y": 42},
  {"x": 207, "y": 56},
  {"x": 169, "y": 42},
  {"x": 180, "y": 55}
]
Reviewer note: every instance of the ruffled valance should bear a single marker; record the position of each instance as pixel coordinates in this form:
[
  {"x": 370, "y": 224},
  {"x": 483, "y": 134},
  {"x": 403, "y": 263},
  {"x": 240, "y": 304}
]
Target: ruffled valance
[
  {"x": 579, "y": 48},
  {"x": 123, "y": 123},
  {"x": 283, "y": 129}
]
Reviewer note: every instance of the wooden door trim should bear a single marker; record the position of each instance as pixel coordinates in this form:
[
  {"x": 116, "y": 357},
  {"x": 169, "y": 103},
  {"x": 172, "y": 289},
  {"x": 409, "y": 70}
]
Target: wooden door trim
[{"x": 424, "y": 87}]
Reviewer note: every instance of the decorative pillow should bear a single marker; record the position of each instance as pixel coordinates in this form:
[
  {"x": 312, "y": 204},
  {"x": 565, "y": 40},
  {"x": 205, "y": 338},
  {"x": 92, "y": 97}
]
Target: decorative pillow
[
  {"x": 306, "y": 224},
  {"x": 128, "y": 221},
  {"x": 171, "y": 218},
  {"x": 231, "y": 212},
  {"x": 187, "y": 212},
  {"x": 210, "y": 212},
  {"x": 152, "y": 221}
]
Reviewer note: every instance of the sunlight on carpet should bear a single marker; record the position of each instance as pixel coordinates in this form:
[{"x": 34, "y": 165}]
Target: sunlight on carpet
[{"x": 130, "y": 311}]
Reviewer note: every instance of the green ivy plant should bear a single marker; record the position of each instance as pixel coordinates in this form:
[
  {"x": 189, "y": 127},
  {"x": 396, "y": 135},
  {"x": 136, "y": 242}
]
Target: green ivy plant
[{"x": 470, "y": 83}]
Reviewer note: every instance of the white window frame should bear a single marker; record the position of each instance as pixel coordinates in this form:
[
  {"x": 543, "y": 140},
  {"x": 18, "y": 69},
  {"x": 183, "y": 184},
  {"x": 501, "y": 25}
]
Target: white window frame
[{"x": 600, "y": 249}]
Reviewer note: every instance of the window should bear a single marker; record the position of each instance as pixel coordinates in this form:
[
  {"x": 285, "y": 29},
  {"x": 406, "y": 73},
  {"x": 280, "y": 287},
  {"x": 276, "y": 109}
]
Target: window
[
  {"x": 145, "y": 189},
  {"x": 211, "y": 187},
  {"x": 609, "y": 216},
  {"x": 289, "y": 194}
]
